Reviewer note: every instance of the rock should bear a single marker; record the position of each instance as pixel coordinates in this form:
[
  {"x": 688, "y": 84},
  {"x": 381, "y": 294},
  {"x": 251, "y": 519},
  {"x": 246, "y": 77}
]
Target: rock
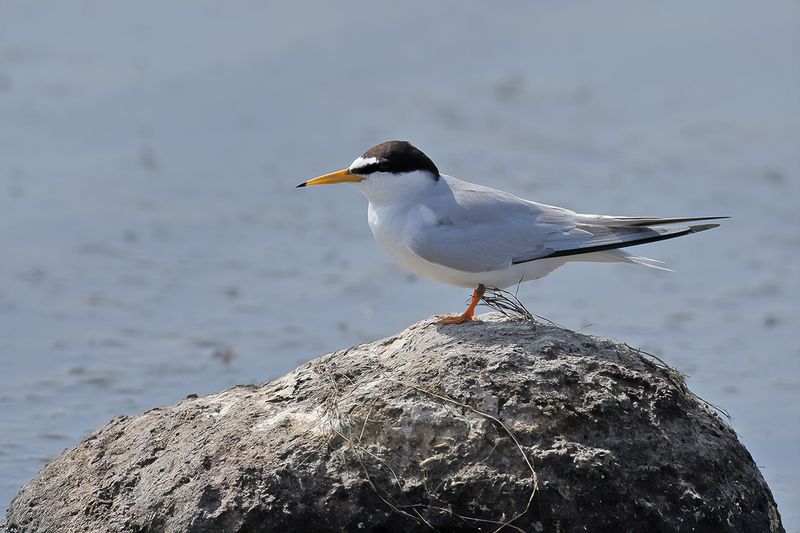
[{"x": 468, "y": 427}]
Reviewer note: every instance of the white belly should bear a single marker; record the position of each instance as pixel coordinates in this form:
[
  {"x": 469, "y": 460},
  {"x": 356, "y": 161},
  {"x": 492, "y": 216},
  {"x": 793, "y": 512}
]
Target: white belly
[{"x": 388, "y": 227}]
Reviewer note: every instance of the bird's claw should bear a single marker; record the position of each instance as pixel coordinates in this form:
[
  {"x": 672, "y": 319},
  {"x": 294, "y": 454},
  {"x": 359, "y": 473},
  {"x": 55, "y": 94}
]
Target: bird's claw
[{"x": 455, "y": 319}]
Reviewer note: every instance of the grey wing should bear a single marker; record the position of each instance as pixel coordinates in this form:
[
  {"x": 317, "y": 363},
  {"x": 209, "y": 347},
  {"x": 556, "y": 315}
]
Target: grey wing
[{"x": 478, "y": 229}]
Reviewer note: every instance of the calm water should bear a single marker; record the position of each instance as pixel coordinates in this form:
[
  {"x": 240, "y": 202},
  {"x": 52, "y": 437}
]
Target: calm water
[{"x": 152, "y": 244}]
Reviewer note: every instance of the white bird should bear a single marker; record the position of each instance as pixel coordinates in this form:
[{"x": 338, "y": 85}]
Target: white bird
[{"x": 473, "y": 236}]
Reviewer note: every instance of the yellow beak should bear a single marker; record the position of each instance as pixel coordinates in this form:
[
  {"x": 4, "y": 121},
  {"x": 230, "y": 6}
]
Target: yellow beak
[{"x": 340, "y": 176}]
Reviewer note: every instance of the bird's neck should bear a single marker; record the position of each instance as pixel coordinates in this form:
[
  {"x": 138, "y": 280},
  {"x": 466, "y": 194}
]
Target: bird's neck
[{"x": 385, "y": 189}]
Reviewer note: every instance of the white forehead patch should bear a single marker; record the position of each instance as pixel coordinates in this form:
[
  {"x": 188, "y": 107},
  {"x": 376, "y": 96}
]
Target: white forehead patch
[{"x": 361, "y": 162}]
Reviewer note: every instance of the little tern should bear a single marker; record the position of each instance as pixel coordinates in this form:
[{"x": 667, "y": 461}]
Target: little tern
[{"x": 473, "y": 236}]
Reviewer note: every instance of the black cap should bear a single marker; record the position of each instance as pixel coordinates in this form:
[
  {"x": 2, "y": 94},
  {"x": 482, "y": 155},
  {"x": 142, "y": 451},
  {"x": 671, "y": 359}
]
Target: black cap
[{"x": 395, "y": 157}]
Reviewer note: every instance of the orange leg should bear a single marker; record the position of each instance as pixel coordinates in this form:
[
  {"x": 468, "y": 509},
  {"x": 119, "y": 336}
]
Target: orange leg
[{"x": 477, "y": 294}]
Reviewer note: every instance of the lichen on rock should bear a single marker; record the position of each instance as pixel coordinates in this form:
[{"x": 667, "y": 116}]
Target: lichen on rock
[{"x": 490, "y": 425}]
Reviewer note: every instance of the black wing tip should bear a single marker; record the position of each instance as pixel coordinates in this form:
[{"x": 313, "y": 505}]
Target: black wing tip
[
  {"x": 702, "y": 227},
  {"x": 301, "y": 185},
  {"x": 670, "y": 221}
]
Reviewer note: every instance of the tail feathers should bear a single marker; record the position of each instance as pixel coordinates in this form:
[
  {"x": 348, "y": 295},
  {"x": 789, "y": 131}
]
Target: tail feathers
[
  {"x": 645, "y": 261},
  {"x": 607, "y": 220},
  {"x": 621, "y": 256}
]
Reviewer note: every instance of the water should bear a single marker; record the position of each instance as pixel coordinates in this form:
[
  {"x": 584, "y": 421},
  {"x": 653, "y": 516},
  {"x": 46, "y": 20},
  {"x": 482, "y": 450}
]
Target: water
[{"x": 153, "y": 245}]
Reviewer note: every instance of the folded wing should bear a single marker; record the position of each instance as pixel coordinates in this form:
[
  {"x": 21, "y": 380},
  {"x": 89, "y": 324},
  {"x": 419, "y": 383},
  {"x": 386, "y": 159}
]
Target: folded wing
[{"x": 478, "y": 229}]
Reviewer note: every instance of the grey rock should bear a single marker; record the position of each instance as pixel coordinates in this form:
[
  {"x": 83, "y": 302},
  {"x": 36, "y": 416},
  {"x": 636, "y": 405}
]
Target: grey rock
[{"x": 497, "y": 424}]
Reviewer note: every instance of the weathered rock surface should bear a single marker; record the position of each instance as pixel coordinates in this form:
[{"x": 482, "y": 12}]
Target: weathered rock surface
[{"x": 464, "y": 427}]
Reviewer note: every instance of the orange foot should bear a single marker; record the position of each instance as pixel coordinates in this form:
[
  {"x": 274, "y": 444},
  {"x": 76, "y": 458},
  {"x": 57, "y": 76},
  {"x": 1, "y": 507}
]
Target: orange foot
[
  {"x": 456, "y": 319},
  {"x": 469, "y": 314}
]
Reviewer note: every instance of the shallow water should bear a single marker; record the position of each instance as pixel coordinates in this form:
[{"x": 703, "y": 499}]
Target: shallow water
[{"x": 153, "y": 244}]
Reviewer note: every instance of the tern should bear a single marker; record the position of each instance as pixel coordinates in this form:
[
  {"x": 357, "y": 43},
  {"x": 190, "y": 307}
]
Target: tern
[{"x": 472, "y": 236}]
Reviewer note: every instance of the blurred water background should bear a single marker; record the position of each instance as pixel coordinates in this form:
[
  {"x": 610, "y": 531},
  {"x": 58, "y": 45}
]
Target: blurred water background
[{"x": 152, "y": 243}]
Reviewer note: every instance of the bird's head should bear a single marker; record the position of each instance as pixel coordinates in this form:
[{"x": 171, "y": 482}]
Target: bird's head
[{"x": 387, "y": 172}]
